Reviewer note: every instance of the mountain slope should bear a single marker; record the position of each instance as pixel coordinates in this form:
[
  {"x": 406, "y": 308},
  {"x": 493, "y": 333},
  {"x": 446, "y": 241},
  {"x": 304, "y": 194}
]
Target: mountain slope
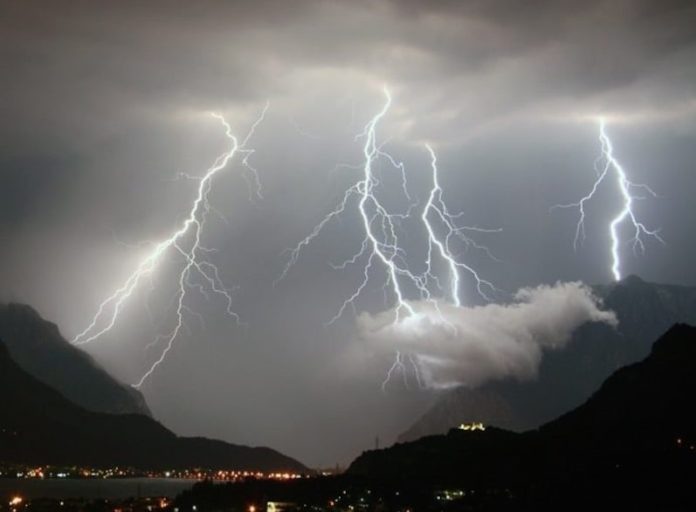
[
  {"x": 38, "y": 347},
  {"x": 568, "y": 376},
  {"x": 39, "y": 426},
  {"x": 631, "y": 446},
  {"x": 634, "y": 441},
  {"x": 647, "y": 404}
]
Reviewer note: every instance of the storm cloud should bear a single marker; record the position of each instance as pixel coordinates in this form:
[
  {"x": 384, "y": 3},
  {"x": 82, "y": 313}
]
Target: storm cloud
[{"x": 105, "y": 103}]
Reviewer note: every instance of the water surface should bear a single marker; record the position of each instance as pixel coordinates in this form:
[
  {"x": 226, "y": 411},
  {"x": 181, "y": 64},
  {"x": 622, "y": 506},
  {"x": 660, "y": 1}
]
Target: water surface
[{"x": 111, "y": 488}]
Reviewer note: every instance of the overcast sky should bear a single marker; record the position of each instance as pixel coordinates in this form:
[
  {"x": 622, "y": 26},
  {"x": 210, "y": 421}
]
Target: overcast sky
[{"x": 103, "y": 104}]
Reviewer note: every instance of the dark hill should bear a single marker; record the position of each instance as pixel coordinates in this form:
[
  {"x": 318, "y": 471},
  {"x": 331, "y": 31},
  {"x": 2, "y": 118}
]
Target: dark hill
[
  {"x": 631, "y": 446},
  {"x": 633, "y": 442},
  {"x": 39, "y": 426},
  {"x": 38, "y": 347},
  {"x": 646, "y": 405},
  {"x": 567, "y": 377}
]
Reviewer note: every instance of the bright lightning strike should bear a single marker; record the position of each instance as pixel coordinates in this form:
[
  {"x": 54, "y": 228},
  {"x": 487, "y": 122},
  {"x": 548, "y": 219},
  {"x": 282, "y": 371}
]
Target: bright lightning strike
[
  {"x": 437, "y": 207},
  {"x": 186, "y": 243},
  {"x": 607, "y": 164},
  {"x": 381, "y": 248}
]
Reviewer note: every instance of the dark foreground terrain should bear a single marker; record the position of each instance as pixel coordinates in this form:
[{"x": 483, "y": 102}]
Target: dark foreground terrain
[{"x": 632, "y": 445}]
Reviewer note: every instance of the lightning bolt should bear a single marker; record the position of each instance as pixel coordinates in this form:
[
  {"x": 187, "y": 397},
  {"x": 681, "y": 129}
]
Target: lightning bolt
[
  {"x": 606, "y": 165},
  {"x": 380, "y": 246},
  {"x": 186, "y": 243},
  {"x": 438, "y": 208}
]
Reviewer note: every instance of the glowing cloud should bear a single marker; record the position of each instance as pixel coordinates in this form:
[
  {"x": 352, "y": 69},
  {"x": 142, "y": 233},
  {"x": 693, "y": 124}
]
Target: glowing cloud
[{"x": 451, "y": 346}]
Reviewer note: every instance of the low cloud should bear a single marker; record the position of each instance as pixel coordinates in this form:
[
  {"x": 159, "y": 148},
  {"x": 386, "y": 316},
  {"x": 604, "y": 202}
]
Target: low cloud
[{"x": 450, "y": 345}]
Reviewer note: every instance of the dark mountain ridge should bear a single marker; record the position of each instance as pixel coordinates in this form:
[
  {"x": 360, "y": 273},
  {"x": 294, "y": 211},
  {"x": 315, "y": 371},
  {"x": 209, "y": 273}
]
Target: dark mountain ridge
[
  {"x": 631, "y": 446},
  {"x": 645, "y": 405},
  {"x": 632, "y": 442},
  {"x": 568, "y": 376},
  {"x": 38, "y": 347},
  {"x": 40, "y": 426}
]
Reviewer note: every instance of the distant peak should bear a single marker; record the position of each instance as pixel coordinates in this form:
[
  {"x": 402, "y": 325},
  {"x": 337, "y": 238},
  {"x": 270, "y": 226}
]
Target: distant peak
[
  {"x": 17, "y": 308},
  {"x": 632, "y": 280}
]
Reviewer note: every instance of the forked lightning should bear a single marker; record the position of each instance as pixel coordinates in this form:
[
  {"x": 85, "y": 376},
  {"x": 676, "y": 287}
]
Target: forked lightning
[
  {"x": 608, "y": 165},
  {"x": 381, "y": 248},
  {"x": 187, "y": 244}
]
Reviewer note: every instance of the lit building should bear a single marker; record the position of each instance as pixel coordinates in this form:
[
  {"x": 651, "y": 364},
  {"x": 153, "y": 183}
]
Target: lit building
[
  {"x": 280, "y": 506},
  {"x": 471, "y": 426}
]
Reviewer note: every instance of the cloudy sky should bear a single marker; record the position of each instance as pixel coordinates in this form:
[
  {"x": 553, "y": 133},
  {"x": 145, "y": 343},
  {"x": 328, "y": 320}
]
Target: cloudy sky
[{"x": 105, "y": 104}]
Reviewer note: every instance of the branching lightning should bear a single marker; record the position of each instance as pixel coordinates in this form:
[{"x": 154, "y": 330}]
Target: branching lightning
[
  {"x": 187, "y": 244},
  {"x": 605, "y": 165},
  {"x": 380, "y": 247},
  {"x": 437, "y": 207}
]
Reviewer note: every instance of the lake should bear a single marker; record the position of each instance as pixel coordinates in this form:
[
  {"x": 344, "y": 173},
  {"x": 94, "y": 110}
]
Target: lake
[{"x": 111, "y": 488}]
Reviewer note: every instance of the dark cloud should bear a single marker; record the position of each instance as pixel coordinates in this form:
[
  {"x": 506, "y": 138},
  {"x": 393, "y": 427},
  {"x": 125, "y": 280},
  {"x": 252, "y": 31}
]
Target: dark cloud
[{"x": 103, "y": 103}]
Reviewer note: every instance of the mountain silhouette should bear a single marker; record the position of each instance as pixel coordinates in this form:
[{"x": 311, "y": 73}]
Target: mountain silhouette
[
  {"x": 630, "y": 446},
  {"x": 633, "y": 442},
  {"x": 643, "y": 406},
  {"x": 38, "y": 347},
  {"x": 568, "y": 376},
  {"x": 40, "y": 426}
]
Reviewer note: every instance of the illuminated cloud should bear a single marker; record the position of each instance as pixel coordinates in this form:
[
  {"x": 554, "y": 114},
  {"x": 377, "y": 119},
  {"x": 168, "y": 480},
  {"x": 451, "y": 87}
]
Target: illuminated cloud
[{"x": 452, "y": 345}]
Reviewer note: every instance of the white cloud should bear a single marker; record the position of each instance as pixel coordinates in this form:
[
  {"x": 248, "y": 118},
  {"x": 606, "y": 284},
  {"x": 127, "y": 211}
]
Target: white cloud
[{"x": 461, "y": 345}]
